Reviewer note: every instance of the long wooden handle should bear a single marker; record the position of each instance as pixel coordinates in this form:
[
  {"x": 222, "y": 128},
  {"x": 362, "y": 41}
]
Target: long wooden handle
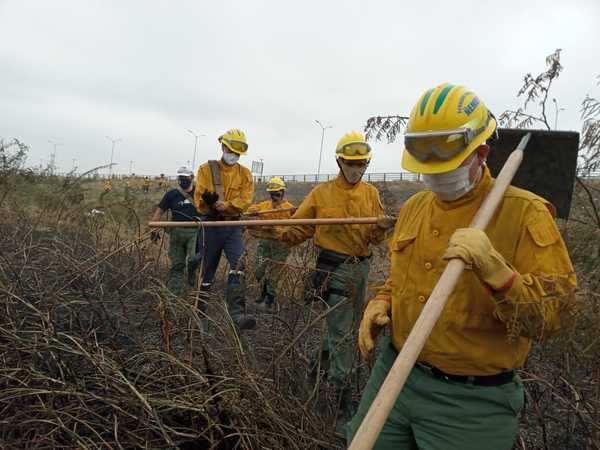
[
  {"x": 267, "y": 211},
  {"x": 264, "y": 223},
  {"x": 369, "y": 430}
]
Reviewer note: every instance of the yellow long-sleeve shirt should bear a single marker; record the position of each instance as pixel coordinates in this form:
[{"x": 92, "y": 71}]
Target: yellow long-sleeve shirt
[
  {"x": 472, "y": 335},
  {"x": 267, "y": 205},
  {"x": 338, "y": 198},
  {"x": 238, "y": 188}
]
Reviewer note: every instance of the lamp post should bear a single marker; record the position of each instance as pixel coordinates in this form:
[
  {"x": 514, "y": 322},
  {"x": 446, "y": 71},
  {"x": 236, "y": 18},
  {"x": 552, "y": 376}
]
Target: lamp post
[
  {"x": 196, "y": 136},
  {"x": 323, "y": 128},
  {"x": 52, "y": 162},
  {"x": 556, "y": 110},
  {"x": 112, "y": 154}
]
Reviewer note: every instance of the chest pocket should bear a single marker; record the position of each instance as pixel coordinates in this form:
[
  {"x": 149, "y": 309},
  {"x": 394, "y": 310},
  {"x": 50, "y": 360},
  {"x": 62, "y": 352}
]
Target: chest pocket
[{"x": 401, "y": 248}]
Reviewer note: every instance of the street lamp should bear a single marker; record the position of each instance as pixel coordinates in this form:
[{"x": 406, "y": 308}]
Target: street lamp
[
  {"x": 556, "y": 110},
  {"x": 196, "y": 136},
  {"x": 323, "y": 128},
  {"x": 112, "y": 154},
  {"x": 52, "y": 162}
]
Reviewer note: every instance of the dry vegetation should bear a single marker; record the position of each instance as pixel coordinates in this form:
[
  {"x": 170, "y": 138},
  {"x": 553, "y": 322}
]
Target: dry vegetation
[{"x": 95, "y": 353}]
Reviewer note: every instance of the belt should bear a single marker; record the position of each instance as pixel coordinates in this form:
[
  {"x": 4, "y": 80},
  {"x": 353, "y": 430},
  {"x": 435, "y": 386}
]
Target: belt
[
  {"x": 335, "y": 258},
  {"x": 478, "y": 380}
]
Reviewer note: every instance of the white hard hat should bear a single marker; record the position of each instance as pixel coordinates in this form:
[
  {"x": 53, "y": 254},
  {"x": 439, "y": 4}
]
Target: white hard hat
[{"x": 183, "y": 171}]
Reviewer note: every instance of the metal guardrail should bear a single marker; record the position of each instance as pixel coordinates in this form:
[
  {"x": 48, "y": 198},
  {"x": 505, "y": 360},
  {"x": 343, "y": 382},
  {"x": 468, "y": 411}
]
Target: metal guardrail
[
  {"x": 375, "y": 177},
  {"x": 314, "y": 178}
]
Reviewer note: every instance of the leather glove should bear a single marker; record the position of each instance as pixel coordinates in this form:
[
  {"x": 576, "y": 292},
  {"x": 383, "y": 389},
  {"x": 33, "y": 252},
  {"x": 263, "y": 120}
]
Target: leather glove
[
  {"x": 209, "y": 198},
  {"x": 475, "y": 249},
  {"x": 155, "y": 236},
  {"x": 376, "y": 316},
  {"x": 386, "y": 222}
]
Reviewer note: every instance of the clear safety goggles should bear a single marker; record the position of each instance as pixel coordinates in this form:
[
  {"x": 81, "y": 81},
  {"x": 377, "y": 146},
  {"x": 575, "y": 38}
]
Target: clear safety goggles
[
  {"x": 236, "y": 146},
  {"x": 444, "y": 145},
  {"x": 354, "y": 149}
]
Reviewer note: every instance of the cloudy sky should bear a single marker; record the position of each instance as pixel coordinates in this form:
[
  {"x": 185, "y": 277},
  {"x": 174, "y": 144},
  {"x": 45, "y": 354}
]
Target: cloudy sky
[{"x": 146, "y": 71}]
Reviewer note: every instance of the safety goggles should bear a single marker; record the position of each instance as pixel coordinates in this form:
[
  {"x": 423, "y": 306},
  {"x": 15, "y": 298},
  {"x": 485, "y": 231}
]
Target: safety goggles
[
  {"x": 444, "y": 145},
  {"x": 274, "y": 187},
  {"x": 354, "y": 149},
  {"x": 236, "y": 146}
]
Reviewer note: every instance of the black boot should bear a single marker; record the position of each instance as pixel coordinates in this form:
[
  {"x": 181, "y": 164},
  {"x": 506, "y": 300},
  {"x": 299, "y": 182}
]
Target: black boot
[
  {"x": 269, "y": 301},
  {"x": 236, "y": 303}
]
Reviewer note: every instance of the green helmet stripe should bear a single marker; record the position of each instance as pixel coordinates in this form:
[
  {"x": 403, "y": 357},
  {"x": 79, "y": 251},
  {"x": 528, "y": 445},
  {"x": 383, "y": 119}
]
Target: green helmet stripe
[
  {"x": 440, "y": 100},
  {"x": 425, "y": 100}
]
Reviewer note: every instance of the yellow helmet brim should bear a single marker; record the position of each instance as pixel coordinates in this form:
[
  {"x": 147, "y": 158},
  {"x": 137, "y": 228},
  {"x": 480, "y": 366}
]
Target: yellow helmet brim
[
  {"x": 435, "y": 165},
  {"x": 278, "y": 188},
  {"x": 354, "y": 157}
]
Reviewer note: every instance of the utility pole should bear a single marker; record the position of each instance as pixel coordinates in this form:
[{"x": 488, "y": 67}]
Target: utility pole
[
  {"x": 196, "y": 136},
  {"x": 323, "y": 128},
  {"x": 130, "y": 166},
  {"x": 556, "y": 110},
  {"x": 52, "y": 163},
  {"x": 112, "y": 154},
  {"x": 74, "y": 161}
]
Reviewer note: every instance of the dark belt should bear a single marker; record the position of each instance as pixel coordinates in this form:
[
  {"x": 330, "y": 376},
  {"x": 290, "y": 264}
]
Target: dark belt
[
  {"x": 335, "y": 259},
  {"x": 479, "y": 380}
]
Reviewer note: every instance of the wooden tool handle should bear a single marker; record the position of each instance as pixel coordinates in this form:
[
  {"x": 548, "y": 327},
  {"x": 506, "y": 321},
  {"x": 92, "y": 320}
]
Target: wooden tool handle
[
  {"x": 267, "y": 211},
  {"x": 264, "y": 223},
  {"x": 369, "y": 430}
]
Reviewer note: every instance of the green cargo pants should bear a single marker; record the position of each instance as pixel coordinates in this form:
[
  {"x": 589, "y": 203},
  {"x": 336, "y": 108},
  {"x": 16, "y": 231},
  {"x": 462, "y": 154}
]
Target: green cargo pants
[
  {"x": 435, "y": 414},
  {"x": 182, "y": 248},
  {"x": 339, "y": 349},
  {"x": 269, "y": 254}
]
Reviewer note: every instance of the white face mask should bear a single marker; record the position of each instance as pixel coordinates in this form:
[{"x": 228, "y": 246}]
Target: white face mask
[
  {"x": 450, "y": 186},
  {"x": 230, "y": 158},
  {"x": 352, "y": 174}
]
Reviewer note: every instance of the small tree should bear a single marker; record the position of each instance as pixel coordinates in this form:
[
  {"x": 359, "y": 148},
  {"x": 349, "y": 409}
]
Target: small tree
[{"x": 535, "y": 90}]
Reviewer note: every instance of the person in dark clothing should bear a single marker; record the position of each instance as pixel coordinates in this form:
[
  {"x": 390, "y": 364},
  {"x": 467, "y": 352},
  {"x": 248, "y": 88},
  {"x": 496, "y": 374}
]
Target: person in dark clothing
[{"x": 182, "y": 241}]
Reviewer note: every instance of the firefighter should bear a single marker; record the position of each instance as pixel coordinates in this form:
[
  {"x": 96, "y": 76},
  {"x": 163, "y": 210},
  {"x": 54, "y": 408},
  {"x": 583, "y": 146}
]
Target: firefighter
[
  {"x": 146, "y": 185},
  {"x": 224, "y": 191},
  {"x": 463, "y": 393},
  {"x": 182, "y": 241},
  {"x": 342, "y": 266},
  {"x": 270, "y": 254}
]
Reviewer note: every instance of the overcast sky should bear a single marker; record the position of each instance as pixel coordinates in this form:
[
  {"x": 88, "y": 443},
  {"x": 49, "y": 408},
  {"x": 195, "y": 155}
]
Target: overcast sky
[{"x": 146, "y": 71}]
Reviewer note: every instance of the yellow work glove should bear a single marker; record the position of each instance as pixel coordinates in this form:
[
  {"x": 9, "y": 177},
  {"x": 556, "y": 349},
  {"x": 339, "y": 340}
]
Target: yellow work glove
[
  {"x": 386, "y": 222},
  {"x": 376, "y": 316},
  {"x": 475, "y": 249}
]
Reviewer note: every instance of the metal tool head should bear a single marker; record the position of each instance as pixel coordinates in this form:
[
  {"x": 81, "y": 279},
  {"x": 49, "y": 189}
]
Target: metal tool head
[{"x": 549, "y": 163}]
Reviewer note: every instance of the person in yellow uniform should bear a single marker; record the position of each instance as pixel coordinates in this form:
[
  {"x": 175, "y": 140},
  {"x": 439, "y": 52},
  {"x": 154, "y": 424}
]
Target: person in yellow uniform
[
  {"x": 224, "y": 190},
  {"x": 270, "y": 255},
  {"x": 342, "y": 267},
  {"x": 463, "y": 392}
]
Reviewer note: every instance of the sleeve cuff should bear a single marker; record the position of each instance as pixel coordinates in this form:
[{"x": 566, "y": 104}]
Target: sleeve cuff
[{"x": 382, "y": 298}]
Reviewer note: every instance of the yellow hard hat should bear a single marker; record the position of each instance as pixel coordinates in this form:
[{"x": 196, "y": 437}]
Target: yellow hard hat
[
  {"x": 446, "y": 125},
  {"x": 275, "y": 184},
  {"x": 353, "y": 146},
  {"x": 234, "y": 140}
]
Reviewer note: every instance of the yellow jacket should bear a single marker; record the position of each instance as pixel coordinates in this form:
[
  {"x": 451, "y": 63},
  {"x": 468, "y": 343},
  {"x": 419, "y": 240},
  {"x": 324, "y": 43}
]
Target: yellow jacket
[
  {"x": 338, "y": 198},
  {"x": 267, "y": 205},
  {"x": 477, "y": 333},
  {"x": 238, "y": 188}
]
